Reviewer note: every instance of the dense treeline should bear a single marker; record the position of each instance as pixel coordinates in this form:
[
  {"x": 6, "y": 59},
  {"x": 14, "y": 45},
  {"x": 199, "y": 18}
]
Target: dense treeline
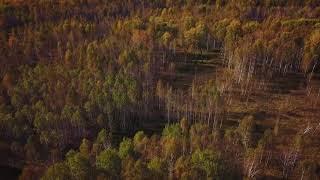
[
  {"x": 183, "y": 151},
  {"x": 71, "y": 68}
]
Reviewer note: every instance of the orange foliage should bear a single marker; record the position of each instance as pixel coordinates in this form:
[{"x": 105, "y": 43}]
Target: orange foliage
[{"x": 140, "y": 37}]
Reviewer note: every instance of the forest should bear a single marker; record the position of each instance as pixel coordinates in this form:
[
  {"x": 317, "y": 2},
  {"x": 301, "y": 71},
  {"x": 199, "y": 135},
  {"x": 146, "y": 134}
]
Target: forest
[{"x": 159, "y": 89}]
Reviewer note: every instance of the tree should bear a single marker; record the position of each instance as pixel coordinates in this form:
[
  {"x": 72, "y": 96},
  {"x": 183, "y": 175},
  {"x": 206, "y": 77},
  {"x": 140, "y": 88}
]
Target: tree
[
  {"x": 57, "y": 171},
  {"x": 139, "y": 141},
  {"x": 172, "y": 131},
  {"x": 109, "y": 162},
  {"x": 8, "y": 80},
  {"x": 169, "y": 103},
  {"x": 141, "y": 170},
  {"x": 126, "y": 148},
  {"x": 252, "y": 162},
  {"x": 134, "y": 170},
  {"x": 219, "y": 29},
  {"x": 171, "y": 140},
  {"x": 85, "y": 148},
  {"x": 233, "y": 33},
  {"x": 127, "y": 57},
  {"x": 78, "y": 121},
  {"x": 246, "y": 129},
  {"x": 196, "y": 37},
  {"x": 199, "y": 134},
  {"x": 185, "y": 126},
  {"x": 312, "y": 52},
  {"x": 68, "y": 58},
  {"x": 288, "y": 158},
  {"x": 183, "y": 168},
  {"x": 141, "y": 37},
  {"x": 79, "y": 166},
  {"x": 157, "y": 168},
  {"x": 309, "y": 168},
  {"x": 160, "y": 92},
  {"x": 166, "y": 39},
  {"x": 208, "y": 161},
  {"x": 32, "y": 149},
  {"x": 102, "y": 138},
  {"x": 220, "y": 3},
  {"x": 127, "y": 172}
]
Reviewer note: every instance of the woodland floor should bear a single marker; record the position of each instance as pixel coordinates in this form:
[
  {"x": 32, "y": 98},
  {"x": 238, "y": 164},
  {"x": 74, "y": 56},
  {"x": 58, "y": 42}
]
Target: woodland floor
[{"x": 289, "y": 99}]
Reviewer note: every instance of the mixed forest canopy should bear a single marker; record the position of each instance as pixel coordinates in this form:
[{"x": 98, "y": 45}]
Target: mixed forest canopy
[{"x": 160, "y": 89}]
